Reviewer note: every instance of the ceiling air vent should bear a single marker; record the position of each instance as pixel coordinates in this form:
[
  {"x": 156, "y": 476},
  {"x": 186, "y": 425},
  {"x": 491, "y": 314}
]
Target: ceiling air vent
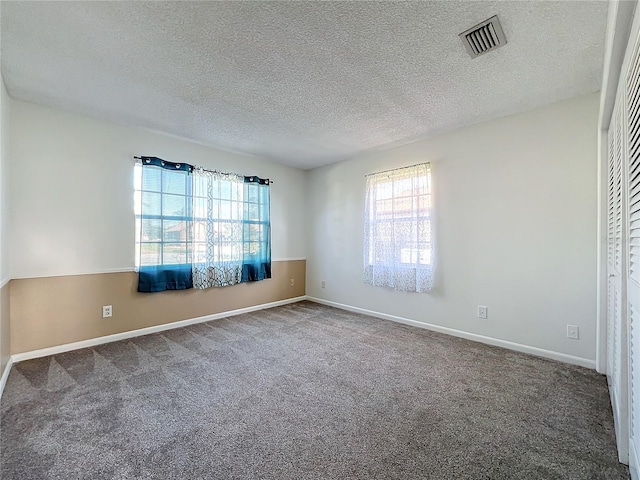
[{"x": 484, "y": 37}]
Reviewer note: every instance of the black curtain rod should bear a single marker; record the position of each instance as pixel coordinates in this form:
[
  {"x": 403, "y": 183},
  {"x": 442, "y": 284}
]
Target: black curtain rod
[{"x": 269, "y": 181}]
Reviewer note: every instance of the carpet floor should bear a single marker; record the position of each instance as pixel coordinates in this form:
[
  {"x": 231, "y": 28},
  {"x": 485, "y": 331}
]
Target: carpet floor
[{"x": 304, "y": 391}]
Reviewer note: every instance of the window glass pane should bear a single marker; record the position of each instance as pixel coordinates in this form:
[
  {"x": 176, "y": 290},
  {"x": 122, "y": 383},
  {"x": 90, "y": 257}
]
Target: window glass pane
[
  {"x": 150, "y": 254},
  {"x": 228, "y": 251},
  {"x": 251, "y": 248},
  {"x": 403, "y": 187},
  {"x": 152, "y": 179},
  {"x": 253, "y": 211},
  {"x": 383, "y": 190},
  {"x": 424, "y": 231},
  {"x": 151, "y": 230},
  {"x": 407, "y": 255},
  {"x": 174, "y": 253},
  {"x": 424, "y": 253},
  {"x": 420, "y": 185},
  {"x": 151, "y": 203},
  {"x": 236, "y": 191},
  {"x": 226, "y": 231},
  {"x": 200, "y": 231},
  {"x": 261, "y": 232},
  {"x": 200, "y": 207},
  {"x": 175, "y": 231},
  {"x": 424, "y": 204},
  {"x": 225, "y": 210},
  {"x": 384, "y": 209},
  {"x": 174, "y": 205},
  {"x": 403, "y": 207},
  {"x": 174, "y": 182},
  {"x": 252, "y": 232},
  {"x": 215, "y": 189},
  {"x": 199, "y": 252},
  {"x": 253, "y": 192},
  {"x": 264, "y": 194},
  {"x": 384, "y": 231},
  {"x": 236, "y": 210},
  {"x": 225, "y": 190},
  {"x": 200, "y": 185}
]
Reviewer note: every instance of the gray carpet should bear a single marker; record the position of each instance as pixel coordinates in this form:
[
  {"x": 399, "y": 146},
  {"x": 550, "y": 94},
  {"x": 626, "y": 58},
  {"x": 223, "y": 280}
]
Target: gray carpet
[{"x": 304, "y": 391}]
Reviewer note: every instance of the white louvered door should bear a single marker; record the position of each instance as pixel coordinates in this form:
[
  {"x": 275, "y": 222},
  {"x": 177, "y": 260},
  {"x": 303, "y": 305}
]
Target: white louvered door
[
  {"x": 617, "y": 351},
  {"x": 632, "y": 190}
]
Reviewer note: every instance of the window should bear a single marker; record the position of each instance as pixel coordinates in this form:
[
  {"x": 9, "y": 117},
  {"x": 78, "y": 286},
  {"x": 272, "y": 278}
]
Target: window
[
  {"x": 398, "y": 247},
  {"x": 199, "y": 228}
]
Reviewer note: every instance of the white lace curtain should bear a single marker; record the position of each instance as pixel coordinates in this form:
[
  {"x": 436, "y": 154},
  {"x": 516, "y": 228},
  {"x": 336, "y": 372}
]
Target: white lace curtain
[
  {"x": 217, "y": 227},
  {"x": 398, "y": 246}
]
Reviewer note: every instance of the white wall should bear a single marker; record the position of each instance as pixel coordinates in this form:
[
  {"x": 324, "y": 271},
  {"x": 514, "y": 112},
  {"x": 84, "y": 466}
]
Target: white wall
[
  {"x": 4, "y": 229},
  {"x": 4, "y": 183},
  {"x": 72, "y": 191},
  {"x": 515, "y": 203}
]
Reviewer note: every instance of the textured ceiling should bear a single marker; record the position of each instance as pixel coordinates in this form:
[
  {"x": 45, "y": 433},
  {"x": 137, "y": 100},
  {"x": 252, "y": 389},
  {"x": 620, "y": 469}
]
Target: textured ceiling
[{"x": 301, "y": 83}]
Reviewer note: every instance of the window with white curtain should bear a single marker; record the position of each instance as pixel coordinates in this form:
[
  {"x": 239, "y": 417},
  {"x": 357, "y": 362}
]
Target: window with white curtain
[{"x": 398, "y": 243}]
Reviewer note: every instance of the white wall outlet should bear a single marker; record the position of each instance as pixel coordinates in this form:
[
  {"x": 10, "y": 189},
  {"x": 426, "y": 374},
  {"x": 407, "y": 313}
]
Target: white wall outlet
[
  {"x": 323, "y": 284},
  {"x": 293, "y": 282},
  {"x": 482, "y": 311},
  {"x": 107, "y": 311},
  {"x": 573, "y": 332}
]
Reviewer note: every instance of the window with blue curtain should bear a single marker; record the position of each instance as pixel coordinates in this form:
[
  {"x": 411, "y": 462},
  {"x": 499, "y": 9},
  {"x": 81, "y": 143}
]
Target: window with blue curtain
[
  {"x": 199, "y": 228},
  {"x": 256, "y": 238},
  {"x": 163, "y": 224}
]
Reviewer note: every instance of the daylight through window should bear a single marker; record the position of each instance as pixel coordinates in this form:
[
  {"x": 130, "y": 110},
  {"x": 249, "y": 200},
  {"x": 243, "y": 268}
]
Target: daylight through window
[{"x": 398, "y": 246}]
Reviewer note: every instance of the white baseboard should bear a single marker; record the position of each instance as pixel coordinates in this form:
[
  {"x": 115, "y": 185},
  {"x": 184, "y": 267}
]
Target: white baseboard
[
  {"x": 634, "y": 464},
  {"x": 5, "y": 375},
  {"x": 540, "y": 352},
  {"x": 67, "y": 347}
]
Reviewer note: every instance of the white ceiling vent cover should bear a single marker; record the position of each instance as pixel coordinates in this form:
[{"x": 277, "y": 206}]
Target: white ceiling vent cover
[{"x": 485, "y": 36}]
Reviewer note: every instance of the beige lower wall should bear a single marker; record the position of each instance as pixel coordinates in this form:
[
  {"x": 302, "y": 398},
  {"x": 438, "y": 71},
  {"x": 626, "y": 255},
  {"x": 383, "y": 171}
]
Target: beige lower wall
[
  {"x": 5, "y": 348},
  {"x": 51, "y": 311}
]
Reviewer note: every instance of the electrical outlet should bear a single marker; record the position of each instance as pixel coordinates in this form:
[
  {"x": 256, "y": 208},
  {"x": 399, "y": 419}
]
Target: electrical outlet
[
  {"x": 482, "y": 311},
  {"x": 323, "y": 284},
  {"x": 107, "y": 311},
  {"x": 293, "y": 282},
  {"x": 573, "y": 332}
]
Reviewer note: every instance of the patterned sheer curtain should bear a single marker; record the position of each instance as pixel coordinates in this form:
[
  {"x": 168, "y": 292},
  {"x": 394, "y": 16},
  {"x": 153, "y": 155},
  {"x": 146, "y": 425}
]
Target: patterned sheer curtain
[
  {"x": 218, "y": 210},
  {"x": 398, "y": 246}
]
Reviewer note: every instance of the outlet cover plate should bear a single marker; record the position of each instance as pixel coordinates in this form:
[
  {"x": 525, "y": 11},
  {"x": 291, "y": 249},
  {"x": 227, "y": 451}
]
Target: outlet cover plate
[{"x": 573, "y": 332}]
